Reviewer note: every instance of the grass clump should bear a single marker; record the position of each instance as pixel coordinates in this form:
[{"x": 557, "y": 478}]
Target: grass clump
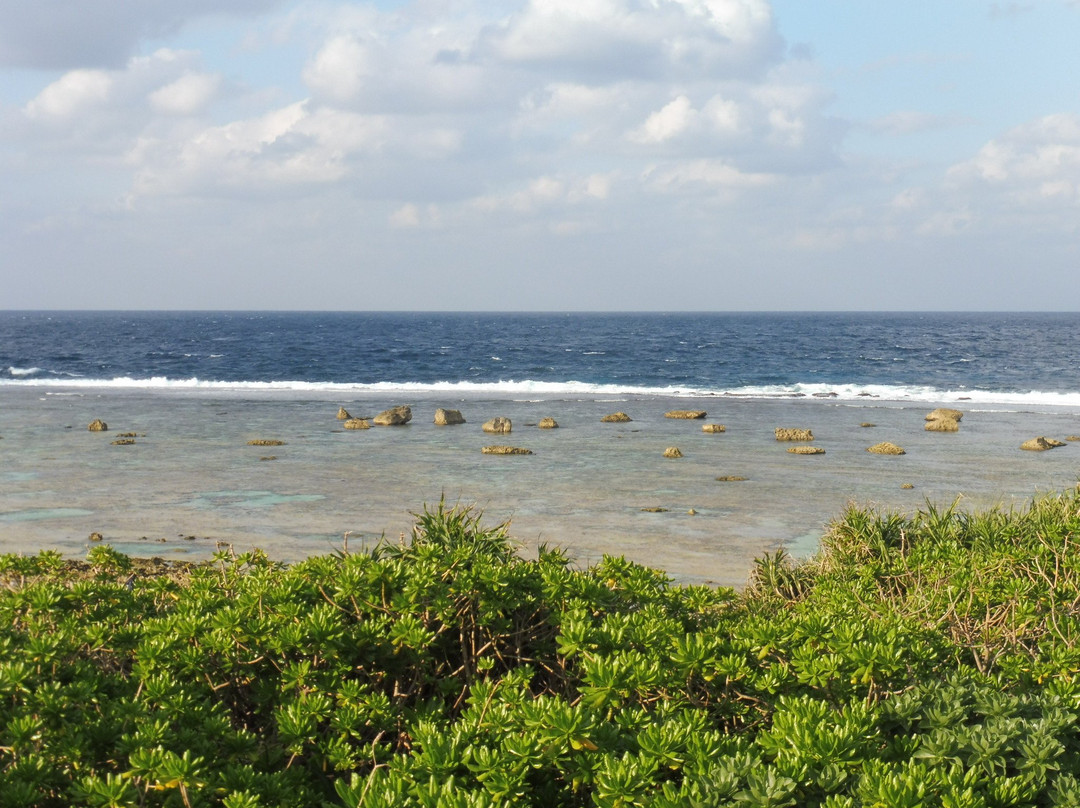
[{"x": 917, "y": 661}]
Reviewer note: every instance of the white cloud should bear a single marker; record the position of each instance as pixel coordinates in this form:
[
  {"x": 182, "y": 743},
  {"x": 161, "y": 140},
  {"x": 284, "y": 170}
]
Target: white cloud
[
  {"x": 296, "y": 145},
  {"x": 72, "y": 94},
  {"x": 1028, "y": 165},
  {"x": 703, "y": 174},
  {"x": 671, "y": 121},
  {"x": 188, "y": 95},
  {"x": 695, "y": 39},
  {"x": 546, "y": 193}
]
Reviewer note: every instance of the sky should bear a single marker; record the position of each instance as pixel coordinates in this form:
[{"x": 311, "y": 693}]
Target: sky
[{"x": 546, "y": 155}]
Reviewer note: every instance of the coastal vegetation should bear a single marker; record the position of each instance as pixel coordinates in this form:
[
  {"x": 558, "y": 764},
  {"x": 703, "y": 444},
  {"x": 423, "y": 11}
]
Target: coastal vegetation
[{"x": 926, "y": 659}]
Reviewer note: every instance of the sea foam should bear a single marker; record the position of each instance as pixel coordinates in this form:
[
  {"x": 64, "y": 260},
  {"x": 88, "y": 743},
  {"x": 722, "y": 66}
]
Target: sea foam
[{"x": 548, "y": 390}]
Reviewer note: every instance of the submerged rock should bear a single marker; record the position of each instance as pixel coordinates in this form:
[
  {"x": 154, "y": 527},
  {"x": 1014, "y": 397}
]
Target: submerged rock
[
  {"x": 906, "y": 486},
  {"x": 548, "y": 423},
  {"x": 730, "y": 478},
  {"x": 395, "y": 416},
  {"x": 713, "y": 428},
  {"x": 124, "y": 442},
  {"x": 886, "y": 448},
  {"x": 672, "y": 451},
  {"x": 97, "y": 425},
  {"x": 1040, "y": 444},
  {"x": 793, "y": 434},
  {"x": 686, "y": 415},
  {"x": 806, "y": 450},
  {"x": 357, "y": 423},
  {"x": 505, "y": 450},
  {"x": 654, "y": 510},
  {"x": 498, "y": 426},
  {"x": 865, "y": 424},
  {"x": 265, "y": 442},
  {"x": 448, "y": 417}
]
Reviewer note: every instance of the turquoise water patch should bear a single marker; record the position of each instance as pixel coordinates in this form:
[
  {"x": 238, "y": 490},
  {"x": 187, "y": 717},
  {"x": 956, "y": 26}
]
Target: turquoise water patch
[
  {"x": 18, "y": 476},
  {"x": 37, "y": 514},
  {"x": 805, "y": 545},
  {"x": 249, "y": 499}
]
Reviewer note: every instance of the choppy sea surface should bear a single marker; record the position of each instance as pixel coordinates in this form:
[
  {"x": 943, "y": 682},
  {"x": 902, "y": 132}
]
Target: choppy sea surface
[{"x": 195, "y": 387}]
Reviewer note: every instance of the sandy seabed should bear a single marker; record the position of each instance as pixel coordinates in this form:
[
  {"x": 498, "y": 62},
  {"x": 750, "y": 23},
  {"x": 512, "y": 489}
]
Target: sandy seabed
[{"x": 190, "y": 480}]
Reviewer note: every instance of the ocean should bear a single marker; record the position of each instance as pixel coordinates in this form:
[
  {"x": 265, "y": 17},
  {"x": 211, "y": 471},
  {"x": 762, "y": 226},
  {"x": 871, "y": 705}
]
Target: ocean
[{"x": 196, "y": 387}]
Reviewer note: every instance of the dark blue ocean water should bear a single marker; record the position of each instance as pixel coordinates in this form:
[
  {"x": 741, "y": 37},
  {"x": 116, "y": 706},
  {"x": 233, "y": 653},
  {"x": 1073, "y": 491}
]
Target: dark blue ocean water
[{"x": 987, "y": 356}]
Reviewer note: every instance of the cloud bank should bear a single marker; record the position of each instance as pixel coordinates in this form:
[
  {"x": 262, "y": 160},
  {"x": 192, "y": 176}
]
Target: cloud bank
[{"x": 540, "y": 136}]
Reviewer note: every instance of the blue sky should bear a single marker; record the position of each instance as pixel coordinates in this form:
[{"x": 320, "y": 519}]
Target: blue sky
[{"x": 540, "y": 155}]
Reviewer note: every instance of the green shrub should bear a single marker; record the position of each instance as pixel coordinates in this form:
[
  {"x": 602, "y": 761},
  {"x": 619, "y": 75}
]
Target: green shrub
[{"x": 925, "y": 660}]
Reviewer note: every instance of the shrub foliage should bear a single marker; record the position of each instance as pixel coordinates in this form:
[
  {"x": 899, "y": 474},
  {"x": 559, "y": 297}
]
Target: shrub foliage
[{"x": 926, "y": 660}]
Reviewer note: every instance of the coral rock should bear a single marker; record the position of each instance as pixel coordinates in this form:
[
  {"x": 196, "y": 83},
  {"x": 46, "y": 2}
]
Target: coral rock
[
  {"x": 1040, "y": 444},
  {"x": 498, "y": 426},
  {"x": 686, "y": 415},
  {"x": 395, "y": 416},
  {"x": 944, "y": 413},
  {"x": 448, "y": 417},
  {"x": 97, "y": 425},
  {"x": 505, "y": 450},
  {"x": 943, "y": 425},
  {"x": 886, "y": 448},
  {"x": 343, "y": 414},
  {"x": 713, "y": 428},
  {"x": 357, "y": 423},
  {"x": 806, "y": 450},
  {"x": 672, "y": 451},
  {"x": 616, "y": 418},
  {"x": 793, "y": 434},
  {"x": 548, "y": 423}
]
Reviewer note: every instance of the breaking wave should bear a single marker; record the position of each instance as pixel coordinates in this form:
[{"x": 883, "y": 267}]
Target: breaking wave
[{"x": 543, "y": 390}]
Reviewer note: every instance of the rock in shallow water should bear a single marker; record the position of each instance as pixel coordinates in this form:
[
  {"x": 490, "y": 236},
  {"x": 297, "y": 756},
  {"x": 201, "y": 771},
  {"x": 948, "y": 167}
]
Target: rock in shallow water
[
  {"x": 616, "y": 418},
  {"x": 97, "y": 425},
  {"x": 885, "y": 448},
  {"x": 498, "y": 426},
  {"x": 505, "y": 450},
  {"x": 686, "y": 415},
  {"x": 672, "y": 451},
  {"x": 395, "y": 416},
  {"x": 448, "y": 417},
  {"x": 944, "y": 414},
  {"x": 943, "y": 425},
  {"x": 713, "y": 428},
  {"x": 783, "y": 433},
  {"x": 1040, "y": 444}
]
